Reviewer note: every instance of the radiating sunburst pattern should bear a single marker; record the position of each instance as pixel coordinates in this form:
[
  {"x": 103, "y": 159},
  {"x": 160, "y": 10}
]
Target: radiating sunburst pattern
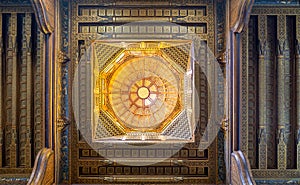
[{"x": 144, "y": 92}]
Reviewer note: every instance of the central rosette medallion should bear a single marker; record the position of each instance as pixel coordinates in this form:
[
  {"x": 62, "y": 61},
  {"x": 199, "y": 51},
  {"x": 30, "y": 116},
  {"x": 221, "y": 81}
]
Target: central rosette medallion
[{"x": 144, "y": 92}]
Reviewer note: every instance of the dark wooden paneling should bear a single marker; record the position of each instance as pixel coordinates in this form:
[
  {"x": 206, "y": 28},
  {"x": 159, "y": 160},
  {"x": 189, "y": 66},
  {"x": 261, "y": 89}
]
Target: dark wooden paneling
[{"x": 21, "y": 96}]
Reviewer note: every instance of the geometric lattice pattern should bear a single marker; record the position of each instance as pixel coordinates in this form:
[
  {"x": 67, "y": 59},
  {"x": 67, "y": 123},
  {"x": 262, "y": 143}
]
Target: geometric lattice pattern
[
  {"x": 91, "y": 20},
  {"x": 179, "y": 128},
  {"x": 142, "y": 91}
]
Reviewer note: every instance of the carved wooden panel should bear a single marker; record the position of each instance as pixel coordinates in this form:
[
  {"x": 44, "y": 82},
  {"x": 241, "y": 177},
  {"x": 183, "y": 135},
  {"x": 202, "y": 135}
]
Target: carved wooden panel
[
  {"x": 269, "y": 92},
  {"x": 93, "y": 20},
  {"x": 21, "y": 90}
]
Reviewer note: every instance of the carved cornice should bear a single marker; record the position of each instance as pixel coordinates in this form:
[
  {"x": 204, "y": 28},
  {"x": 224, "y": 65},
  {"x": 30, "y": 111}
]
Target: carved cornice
[
  {"x": 43, "y": 170},
  {"x": 138, "y": 179},
  {"x": 240, "y": 14},
  {"x": 241, "y": 171},
  {"x": 44, "y": 13}
]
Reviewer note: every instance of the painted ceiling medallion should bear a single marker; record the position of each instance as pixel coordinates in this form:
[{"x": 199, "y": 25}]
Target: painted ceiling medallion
[{"x": 144, "y": 89}]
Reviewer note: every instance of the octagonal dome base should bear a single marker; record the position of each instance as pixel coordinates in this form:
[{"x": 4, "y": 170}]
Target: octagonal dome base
[{"x": 142, "y": 91}]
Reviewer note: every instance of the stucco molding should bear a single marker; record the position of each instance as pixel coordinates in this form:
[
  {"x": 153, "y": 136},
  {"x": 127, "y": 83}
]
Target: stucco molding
[
  {"x": 240, "y": 14},
  {"x": 44, "y": 13}
]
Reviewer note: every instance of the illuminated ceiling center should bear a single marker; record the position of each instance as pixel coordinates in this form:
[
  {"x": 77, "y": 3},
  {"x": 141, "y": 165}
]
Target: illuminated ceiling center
[{"x": 143, "y": 91}]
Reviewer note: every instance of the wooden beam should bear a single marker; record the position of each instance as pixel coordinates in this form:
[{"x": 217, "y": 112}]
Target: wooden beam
[
  {"x": 283, "y": 93},
  {"x": 1, "y": 94},
  {"x": 11, "y": 103},
  {"x": 298, "y": 87},
  {"x": 262, "y": 136}
]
